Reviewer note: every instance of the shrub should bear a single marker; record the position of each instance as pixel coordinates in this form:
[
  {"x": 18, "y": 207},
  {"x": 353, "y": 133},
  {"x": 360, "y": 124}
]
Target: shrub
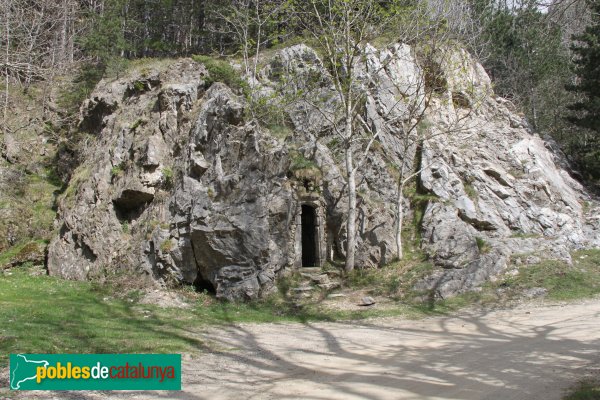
[
  {"x": 300, "y": 162},
  {"x": 137, "y": 123},
  {"x": 117, "y": 170},
  {"x": 221, "y": 71},
  {"x": 168, "y": 174},
  {"x": 482, "y": 245},
  {"x": 470, "y": 191},
  {"x": 167, "y": 246}
]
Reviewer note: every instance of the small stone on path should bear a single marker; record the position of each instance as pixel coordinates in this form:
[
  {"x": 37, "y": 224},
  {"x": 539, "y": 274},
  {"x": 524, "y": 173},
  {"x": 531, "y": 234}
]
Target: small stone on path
[{"x": 366, "y": 301}]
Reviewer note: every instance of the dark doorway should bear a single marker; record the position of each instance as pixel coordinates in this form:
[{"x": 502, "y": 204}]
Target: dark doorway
[
  {"x": 204, "y": 285},
  {"x": 309, "y": 236}
]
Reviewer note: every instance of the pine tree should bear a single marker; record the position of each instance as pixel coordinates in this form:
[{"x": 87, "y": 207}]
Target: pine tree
[{"x": 586, "y": 48}]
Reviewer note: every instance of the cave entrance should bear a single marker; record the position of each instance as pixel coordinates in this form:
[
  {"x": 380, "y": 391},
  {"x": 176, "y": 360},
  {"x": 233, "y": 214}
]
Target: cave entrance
[
  {"x": 309, "y": 236},
  {"x": 204, "y": 285}
]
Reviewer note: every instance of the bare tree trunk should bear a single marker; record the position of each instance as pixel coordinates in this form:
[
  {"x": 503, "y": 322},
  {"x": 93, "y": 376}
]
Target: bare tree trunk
[
  {"x": 351, "y": 222},
  {"x": 258, "y": 42},
  {"x": 64, "y": 34},
  {"x": 6, "y": 70},
  {"x": 399, "y": 221},
  {"x": 72, "y": 33},
  {"x": 534, "y": 113},
  {"x": 5, "y": 130},
  {"x": 145, "y": 51}
]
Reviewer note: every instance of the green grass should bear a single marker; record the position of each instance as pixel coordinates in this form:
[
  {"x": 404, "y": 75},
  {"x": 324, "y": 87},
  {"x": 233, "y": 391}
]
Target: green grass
[
  {"x": 21, "y": 250},
  {"x": 562, "y": 281},
  {"x": 43, "y": 314},
  {"x": 221, "y": 71},
  {"x": 28, "y": 209},
  {"x": 80, "y": 175},
  {"x": 116, "y": 170},
  {"x": 482, "y": 245},
  {"x": 167, "y": 246},
  {"x": 394, "y": 280},
  {"x": 586, "y": 390},
  {"x": 139, "y": 122},
  {"x": 470, "y": 191},
  {"x": 168, "y": 176},
  {"x": 300, "y": 162},
  {"x": 280, "y": 131}
]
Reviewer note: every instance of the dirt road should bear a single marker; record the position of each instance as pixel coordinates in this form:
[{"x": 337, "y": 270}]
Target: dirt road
[{"x": 532, "y": 352}]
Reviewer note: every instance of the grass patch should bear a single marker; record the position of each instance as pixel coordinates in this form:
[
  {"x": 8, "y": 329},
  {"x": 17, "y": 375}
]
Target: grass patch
[
  {"x": 431, "y": 306},
  {"x": 21, "y": 251},
  {"x": 482, "y": 245},
  {"x": 167, "y": 246},
  {"x": 470, "y": 191},
  {"x": 117, "y": 170},
  {"x": 586, "y": 390},
  {"x": 221, "y": 71},
  {"x": 80, "y": 175},
  {"x": 27, "y": 209},
  {"x": 305, "y": 170},
  {"x": 418, "y": 203},
  {"x": 44, "y": 314},
  {"x": 139, "y": 122},
  {"x": 394, "y": 280},
  {"x": 300, "y": 162},
  {"x": 517, "y": 173},
  {"x": 168, "y": 176},
  {"x": 563, "y": 282},
  {"x": 280, "y": 131},
  {"x": 79, "y": 87}
]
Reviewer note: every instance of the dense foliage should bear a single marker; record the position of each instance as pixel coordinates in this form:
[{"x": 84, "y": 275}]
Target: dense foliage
[
  {"x": 527, "y": 53},
  {"x": 586, "y": 110},
  {"x": 587, "y": 59}
]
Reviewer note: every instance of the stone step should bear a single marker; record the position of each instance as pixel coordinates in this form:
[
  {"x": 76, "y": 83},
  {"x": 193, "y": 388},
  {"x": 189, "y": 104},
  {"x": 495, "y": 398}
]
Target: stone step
[
  {"x": 316, "y": 278},
  {"x": 310, "y": 270},
  {"x": 303, "y": 289},
  {"x": 329, "y": 285}
]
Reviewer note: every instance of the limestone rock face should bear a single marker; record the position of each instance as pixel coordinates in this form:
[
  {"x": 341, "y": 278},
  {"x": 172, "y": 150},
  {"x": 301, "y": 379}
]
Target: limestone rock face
[
  {"x": 180, "y": 185},
  {"x": 500, "y": 194}
]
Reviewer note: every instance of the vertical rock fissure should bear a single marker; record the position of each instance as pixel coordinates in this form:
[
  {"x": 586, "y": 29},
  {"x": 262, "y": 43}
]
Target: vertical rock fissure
[
  {"x": 201, "y": 283},
  {"x": 419, "y": 204}
]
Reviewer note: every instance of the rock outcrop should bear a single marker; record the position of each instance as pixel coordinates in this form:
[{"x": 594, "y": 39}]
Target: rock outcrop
[{"x": 181, "y": 185}]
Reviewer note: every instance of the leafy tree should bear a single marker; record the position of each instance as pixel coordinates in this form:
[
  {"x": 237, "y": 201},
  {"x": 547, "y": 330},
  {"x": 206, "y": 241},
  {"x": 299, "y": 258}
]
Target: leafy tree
[
  {"x": 524, "y": 53},
  {"x": 341, "y": 30},
  {"x": 585, "y": 111},
  {"x": 586, "y": 49},
  {"x": 105, "y": 41}
]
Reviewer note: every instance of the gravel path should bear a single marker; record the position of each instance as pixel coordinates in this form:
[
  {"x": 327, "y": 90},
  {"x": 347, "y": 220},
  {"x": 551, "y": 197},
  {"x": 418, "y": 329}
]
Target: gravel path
[{"x": 531, "y": 352}]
